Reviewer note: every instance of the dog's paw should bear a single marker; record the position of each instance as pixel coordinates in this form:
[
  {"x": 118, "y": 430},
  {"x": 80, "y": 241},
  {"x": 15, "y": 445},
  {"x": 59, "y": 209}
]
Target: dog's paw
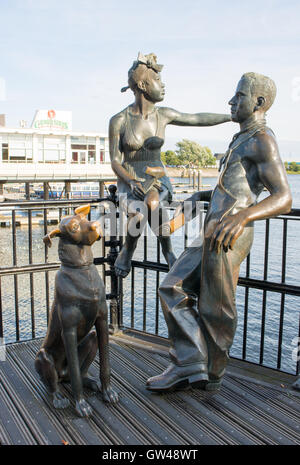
[
  {"x": 109, "y": 395},
  {"x": 59, "y": 401},
  {"x": 83, "y": 409}
]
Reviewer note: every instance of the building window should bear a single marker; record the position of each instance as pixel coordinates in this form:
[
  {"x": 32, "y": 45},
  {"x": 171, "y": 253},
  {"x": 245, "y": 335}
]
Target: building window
[
  {"x": 82, "y": 157},
  {"x": 79, "y": 156},
  {"x": 92, "y": 156},
  {"x": 4, "y": 152},
  {"x": 74, "y": 157},
  {"x": 19, "y": 148},
  {"x": 52, "y": 149},
  {"x": 78, "y": 140},
  {"x": 51, "y": 156},
  {"x": 101, "y": 156},
  {"x": 78, "y": 147}
]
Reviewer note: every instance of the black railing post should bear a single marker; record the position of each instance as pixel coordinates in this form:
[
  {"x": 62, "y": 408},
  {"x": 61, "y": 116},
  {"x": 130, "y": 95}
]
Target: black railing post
[{"x": 115, "y": 289}]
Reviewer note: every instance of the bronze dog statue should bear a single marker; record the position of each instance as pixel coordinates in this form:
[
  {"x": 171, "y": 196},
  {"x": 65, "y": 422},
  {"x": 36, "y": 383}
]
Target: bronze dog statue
[{"x": 79, "y": 304}]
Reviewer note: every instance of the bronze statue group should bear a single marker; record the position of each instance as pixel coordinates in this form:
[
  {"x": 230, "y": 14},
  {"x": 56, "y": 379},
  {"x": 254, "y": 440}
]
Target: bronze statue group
[{"x": 198, "y": 293}]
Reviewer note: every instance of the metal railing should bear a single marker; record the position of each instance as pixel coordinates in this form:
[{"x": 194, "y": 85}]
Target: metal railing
[{"x": 122, "y": 315}]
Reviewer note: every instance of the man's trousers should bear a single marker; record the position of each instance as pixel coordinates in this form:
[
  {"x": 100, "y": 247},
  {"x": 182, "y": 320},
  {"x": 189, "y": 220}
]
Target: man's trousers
[{"x": 198, "y": 301}]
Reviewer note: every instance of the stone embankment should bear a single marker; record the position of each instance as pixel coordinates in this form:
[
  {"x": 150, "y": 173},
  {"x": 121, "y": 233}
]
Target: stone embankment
[{"x": 186, "y": 173}]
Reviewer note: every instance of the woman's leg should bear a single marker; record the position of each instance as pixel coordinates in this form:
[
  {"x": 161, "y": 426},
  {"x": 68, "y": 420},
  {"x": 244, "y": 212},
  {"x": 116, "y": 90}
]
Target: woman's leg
[
  {"x": 158, "y": 215},
  {"x": 135, "y": 225}
]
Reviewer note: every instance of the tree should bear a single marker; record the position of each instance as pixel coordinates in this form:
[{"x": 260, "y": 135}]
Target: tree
[
  {"x": 170, "y": 158},
  {"x": 209, "y": 158},
  {"x": 293, "y": 166},
  {"x": 193, "y": 154}
]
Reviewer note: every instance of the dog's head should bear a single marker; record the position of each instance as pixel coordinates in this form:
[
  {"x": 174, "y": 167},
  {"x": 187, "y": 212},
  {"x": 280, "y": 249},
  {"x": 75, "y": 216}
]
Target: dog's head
[{"x": 77, "y": 228}]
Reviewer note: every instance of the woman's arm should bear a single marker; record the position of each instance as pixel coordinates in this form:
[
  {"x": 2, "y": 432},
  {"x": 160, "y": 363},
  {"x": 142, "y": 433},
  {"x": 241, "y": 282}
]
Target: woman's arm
[
  {"x": 116, "y": 156},
  {"x": 196, "y": 119}
]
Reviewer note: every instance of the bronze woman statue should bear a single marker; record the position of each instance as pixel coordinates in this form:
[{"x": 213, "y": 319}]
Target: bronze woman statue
[{"x": 136, "y": 136}]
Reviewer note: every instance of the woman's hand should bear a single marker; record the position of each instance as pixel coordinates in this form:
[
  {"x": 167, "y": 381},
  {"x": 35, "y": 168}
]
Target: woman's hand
[{"x": 137, "y": 189}]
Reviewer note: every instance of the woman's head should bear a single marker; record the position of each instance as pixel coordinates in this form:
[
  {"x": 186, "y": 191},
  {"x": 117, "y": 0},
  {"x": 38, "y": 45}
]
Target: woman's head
[{"x": 144, "y": 77}]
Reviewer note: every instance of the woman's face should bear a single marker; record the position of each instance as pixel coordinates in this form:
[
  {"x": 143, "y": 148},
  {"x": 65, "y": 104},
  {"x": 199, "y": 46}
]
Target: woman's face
[{"x": 154, "y": 89}]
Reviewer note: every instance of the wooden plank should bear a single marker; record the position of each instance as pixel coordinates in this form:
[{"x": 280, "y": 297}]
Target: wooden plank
[{"x": 241, "y": 413}]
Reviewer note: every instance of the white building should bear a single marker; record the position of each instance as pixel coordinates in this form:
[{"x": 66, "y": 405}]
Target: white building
[{"x": 50, "y": 150}]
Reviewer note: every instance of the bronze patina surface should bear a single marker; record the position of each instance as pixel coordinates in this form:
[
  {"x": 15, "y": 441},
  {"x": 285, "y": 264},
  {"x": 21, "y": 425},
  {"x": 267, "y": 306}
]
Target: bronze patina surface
[
  {"x": 70, "y": 345},
  {"x": 198, "y": 294},
  {"x": 136, "y": 136}
]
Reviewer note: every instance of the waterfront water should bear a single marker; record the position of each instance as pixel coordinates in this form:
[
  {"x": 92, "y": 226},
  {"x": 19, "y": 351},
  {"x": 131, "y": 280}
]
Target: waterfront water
[{"x": 273, "y": 302}]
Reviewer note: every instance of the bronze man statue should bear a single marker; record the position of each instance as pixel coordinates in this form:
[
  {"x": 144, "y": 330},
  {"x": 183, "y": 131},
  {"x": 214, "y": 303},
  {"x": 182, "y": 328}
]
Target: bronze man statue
[
  {"x": 136, "y": 135},
  {"x": 198, "y": 294}
]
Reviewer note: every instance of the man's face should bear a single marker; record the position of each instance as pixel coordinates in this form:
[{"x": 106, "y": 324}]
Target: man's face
[{"x": 243, "y": 103}]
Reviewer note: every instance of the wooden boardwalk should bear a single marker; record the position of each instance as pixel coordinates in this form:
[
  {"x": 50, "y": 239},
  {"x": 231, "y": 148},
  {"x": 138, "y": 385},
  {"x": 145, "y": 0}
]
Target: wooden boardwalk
[{"x": 245, "y": 411}]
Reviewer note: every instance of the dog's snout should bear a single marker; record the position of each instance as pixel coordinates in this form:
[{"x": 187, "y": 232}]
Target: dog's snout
[{"x": 95, "y": 226}]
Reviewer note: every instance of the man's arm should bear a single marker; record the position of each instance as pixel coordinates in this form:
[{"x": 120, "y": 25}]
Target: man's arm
[
  {"x": 183, "y": 215},
  {"x": 201, "y": 196},
  {"x": 272, "y": 175}
]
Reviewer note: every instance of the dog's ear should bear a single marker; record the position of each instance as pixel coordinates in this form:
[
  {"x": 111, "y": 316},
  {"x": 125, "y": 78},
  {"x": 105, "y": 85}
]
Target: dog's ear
[
  {"x": 83, "y": 211},
  {"x": 48, "y": 238}
]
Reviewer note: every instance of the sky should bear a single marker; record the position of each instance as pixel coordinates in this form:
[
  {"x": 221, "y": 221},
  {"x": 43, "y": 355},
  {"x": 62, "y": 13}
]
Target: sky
[{"x": 74, "y": 55}]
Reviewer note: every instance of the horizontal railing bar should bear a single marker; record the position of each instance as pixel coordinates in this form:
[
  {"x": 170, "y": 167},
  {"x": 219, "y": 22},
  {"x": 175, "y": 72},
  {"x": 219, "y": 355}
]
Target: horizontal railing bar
[
  {"x": 269, "y": 286},
  {"x": 295, "y": 212},
  {"x": 40, "y": 267},
  {"x": 153, "y": 266},
  {"x": 47, "y": 203},
  {"x": 14, "y": 270},
  {"x": 246, "y": 282}
]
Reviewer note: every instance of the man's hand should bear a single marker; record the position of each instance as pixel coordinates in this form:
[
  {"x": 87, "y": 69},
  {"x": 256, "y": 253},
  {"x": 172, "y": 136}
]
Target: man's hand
[
  {"x": 137, "y": 189},
  {"x": 228, "y": 231}
]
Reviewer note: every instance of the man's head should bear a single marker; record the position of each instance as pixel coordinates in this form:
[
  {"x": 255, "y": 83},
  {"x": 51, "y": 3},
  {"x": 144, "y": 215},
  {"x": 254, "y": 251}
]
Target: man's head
[{"x": 254, "y": 93}]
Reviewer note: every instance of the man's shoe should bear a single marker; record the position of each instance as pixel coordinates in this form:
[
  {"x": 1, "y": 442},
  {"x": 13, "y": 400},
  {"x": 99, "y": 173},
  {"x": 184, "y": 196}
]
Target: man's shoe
[
  {"x": 213, "y": 385},
  {"x": 176, "y": 376}
]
